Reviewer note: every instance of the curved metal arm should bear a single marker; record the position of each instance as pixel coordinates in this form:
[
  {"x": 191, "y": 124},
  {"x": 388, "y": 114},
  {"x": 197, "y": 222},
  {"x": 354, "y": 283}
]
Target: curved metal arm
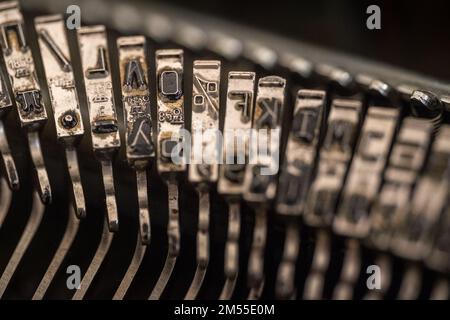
[
  {"x": 100, "y": 254},
  {"x": 64, "y": 246},
  {"x": 285, "y": 286},
  {"x": 173, "y": 233},
  {"x": 231, "y": 266},
  {"x": 202, "y": 244},
  {"x": 256, "y": 260},
  {"x": 33, "y": 223},
  {"x": 316, "y": 277}
]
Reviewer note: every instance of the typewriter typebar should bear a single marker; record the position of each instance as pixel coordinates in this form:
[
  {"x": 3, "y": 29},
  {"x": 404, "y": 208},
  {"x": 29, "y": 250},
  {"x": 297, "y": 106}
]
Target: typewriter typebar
[
  {"x": 54, "y": 51},
  {"x": 6, "y": 105},
  {"x": 238, "y": 121},
  {"x": 364, "y": 177},
  {"x": 171, "y": 163},
  {"x": 295, "y": 179},
  {"x": 406, "y": 160},
  {"x": 27, "y": 92},
  {"x": 170, "y": 99},
  {"x": 55, "y": 55},
  {"x": 140, "y": 150},
  {"x": 438, "y": 256},
  {"x": 95, "y": 62},
  {"x": 238, "y": 116},
  {"x": 300, "y": 152},
  {"x": 136, "y": 101},
  {"x": 93, "y": 46},
  {"x": 418, "y": 220},
  {"x": 204, "y": 166},
  {"x": 334, "y": 160},
  {"x": 260, "y": 180},
  {"x": 360, "y": 190},
  {"x": 261, "y": 172}
]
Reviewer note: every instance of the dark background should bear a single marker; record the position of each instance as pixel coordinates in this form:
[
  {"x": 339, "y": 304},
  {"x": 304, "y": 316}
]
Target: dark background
[{"x": 414, "y": 34}]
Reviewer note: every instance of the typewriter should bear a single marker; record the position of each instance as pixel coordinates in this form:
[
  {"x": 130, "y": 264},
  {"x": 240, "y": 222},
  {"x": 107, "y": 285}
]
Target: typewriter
[{"x": 130, "y": 136}]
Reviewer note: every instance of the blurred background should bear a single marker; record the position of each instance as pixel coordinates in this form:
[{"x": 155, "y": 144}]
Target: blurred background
[{"x": 414, "y": 34}]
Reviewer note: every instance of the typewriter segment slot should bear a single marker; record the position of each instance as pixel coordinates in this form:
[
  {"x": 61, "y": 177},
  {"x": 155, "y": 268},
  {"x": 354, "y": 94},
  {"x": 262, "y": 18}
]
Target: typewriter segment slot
[
  {"x": 204, "y": 167},
  {"x": 239, "y": 109},
  {"x": 170, "y": 162}
]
